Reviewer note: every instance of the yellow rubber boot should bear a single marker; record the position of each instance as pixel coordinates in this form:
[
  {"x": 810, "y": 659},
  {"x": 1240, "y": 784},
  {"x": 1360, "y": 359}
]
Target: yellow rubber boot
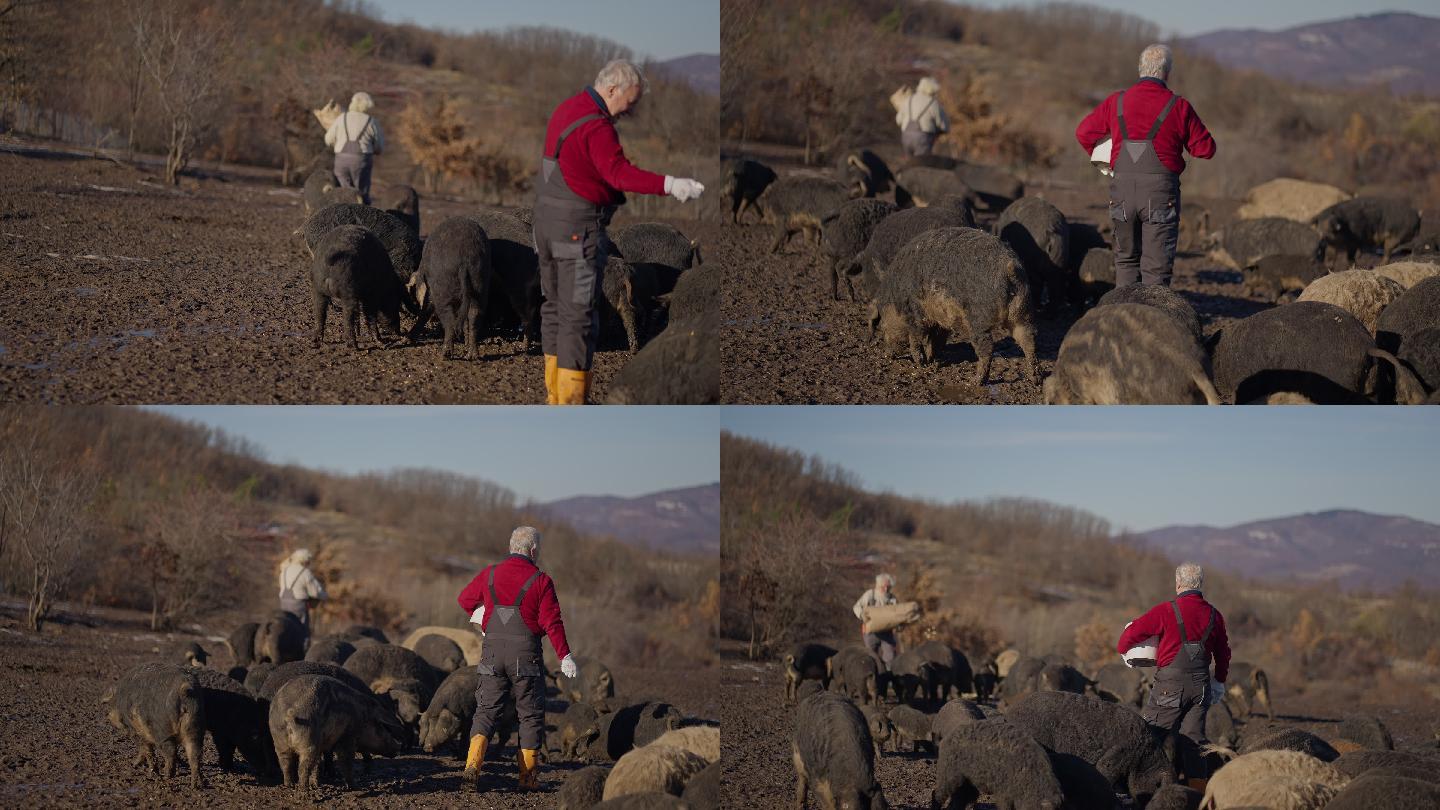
[
  {"x": 573, "y": 386},
  {"x": 529, "y": 778},
  {"x": 471, "y": 778},
  {"x": 552, "y": 368}
]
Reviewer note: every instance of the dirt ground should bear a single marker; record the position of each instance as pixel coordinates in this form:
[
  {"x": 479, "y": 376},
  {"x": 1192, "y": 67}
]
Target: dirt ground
[
  {"x": 59, "y": 751},
  {"x": 786, "y": 340},
  {"x": 759, "y": 724},
  {"x": 124, "y": 290}
]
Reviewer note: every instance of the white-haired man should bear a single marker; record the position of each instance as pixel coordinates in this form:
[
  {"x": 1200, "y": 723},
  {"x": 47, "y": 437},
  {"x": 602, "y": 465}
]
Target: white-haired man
[
  {"x": 356, "y": 138},
  {"x": 1149, "y": 128},
  {"x": 299, "y": 586},
  {"x": 1192, "y": 633},
  {"x": 881, "y": 644},
  {"x": 517, "y": 605},
  {"x": 584, "y": 175},
  {"x": 920, "y": 117}
]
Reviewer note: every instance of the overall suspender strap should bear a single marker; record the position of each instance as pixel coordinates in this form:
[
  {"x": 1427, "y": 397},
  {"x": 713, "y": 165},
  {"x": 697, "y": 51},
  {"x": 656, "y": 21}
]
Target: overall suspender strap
[
  {"x": 1120, "y": 114},
  {"x": 565, "y": 133},
  {"x": 523, "y": 588},
  {"x": 1179, "y": 620},
  {"x": 1155, "y": 128},
  {"x": 1204, "y": 637},
  {"x": 495, "y": 600}
]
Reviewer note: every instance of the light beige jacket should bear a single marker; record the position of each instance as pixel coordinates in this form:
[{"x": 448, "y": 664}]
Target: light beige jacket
[
  {"x": 370, "y": 138},
  {"x": 868, "y": 599},
  {"x": 298, "y": 579},
  {"x": 925, "y": 110}
]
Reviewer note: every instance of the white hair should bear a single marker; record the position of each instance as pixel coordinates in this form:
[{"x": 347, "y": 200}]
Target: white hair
[
  {"x": 1189, "y": 576},
  {"x": 301, "y": 556},
  {"x": 1155, "y": 62},
  {"x": 884, "y": 579},
  {"x": 525, "y": 540},
  {"x": 928, "y": 86},
  {"x": 622, "y": 73},
  {"x": 361, "y": 103}
]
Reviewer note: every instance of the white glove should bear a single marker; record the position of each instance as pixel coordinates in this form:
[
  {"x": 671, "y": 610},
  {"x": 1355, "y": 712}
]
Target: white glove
[
  {"x": 568, "y": 668},
  {"x": 683, "y": 188}
]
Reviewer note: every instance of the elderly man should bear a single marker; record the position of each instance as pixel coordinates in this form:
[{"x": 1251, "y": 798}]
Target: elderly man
[
  {"x": 920, "y": 117},
  {"x": 583, "y": 176},
  {"x": 299, "y": 586},
  {"x": 356, "y": 138},
  {"x": 1192, "y": 633},
  {"x": 881, "y": 644},
  {"x": 1148, "y": 127},
  {"x": 514, "y": 603}
]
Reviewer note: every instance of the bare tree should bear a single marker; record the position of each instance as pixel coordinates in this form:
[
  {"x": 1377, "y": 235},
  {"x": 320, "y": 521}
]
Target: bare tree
[
  {"x": 187, "y": 554},
  {"x": 186, "y": 53},
  {"x": 44, "y": 516}
]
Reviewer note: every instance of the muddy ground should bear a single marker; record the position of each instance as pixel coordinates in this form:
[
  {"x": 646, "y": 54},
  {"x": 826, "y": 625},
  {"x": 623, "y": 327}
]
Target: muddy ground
[
  {"x": 59, "y": 751},
  {"x": 759, "y": 724},
  {"x": 123, "y": 290},
  {"x": 786, "y": 340}
]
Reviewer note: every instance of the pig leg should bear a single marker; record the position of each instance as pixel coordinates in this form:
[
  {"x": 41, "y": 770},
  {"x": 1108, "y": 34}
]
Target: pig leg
[
  {"x": 351, "y": 314},
  {"x": 167, "y": 753},
  {"x": 802, "y": 786},
  {"x": 345, "y": 760},
  {"x": 448, "y": 327},
  {"x": 632, "y": 337},
  {"x": 1024, "y": 335},
  {"x": 321, "y": 302},
  {"x": 288, "y": 771},
  {"x": 472, "y": 325},
  {"x": 984, "y": 346},
  {"x": 309, "y": 770},
  {"x": 782, "y": 233},
  {"x": 194, "y": 745}
]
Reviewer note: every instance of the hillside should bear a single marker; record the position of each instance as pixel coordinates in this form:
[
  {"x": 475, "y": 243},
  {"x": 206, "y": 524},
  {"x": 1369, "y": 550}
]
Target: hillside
[
  {"x": 701, "y": 71},
  {"x": 1356, "y": 549},
  {"x": 1395, "y": 50},
  {"x": 680, "y": 521}
]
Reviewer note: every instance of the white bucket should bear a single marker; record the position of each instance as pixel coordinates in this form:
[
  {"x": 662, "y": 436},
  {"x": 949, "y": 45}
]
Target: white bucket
[
  {"x": 1142, "y": 654},
  {"x": 1100, "y": 158}
]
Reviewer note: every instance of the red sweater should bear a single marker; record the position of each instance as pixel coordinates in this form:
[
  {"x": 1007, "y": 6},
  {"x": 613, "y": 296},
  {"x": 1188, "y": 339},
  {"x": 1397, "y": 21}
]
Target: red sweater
[
  {"x": 1160, "y": 620},
  {"x": 593, "y": 163},
  {"x": 1182, "y": 129},
  {"x": 540, "y": 610}
]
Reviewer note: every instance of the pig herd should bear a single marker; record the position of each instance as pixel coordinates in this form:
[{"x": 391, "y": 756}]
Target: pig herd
[
  {"x": 911, "y": 243},
  {"x": 297, "y": 714},
  {"x": 479, "y": 273},
  {"x": 1035, "y": 732}
]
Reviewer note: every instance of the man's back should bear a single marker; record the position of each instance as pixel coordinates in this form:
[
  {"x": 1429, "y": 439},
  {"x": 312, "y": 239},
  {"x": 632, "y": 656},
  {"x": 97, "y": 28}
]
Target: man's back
[
  {"x": 1182, "y": 129},
  {"x": 1160, "y": 620}
]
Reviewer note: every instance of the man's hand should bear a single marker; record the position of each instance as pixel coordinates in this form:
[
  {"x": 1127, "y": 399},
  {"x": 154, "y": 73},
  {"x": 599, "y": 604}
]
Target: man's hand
[
  {"x": 683, "y": 189},
  {"x": 864, "y": 628},
  {"x": 568, "y": 667},
  {"x": 1216, "y": 692}
]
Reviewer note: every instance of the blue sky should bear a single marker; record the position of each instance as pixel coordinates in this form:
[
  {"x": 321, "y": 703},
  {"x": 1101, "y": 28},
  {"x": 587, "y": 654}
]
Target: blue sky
[
  {"x": 539, "y": 453},
  {"x": 1139, "y": 467},
  {"x": 1271, "y": 15},
  {"x": 661, "y": 29}
]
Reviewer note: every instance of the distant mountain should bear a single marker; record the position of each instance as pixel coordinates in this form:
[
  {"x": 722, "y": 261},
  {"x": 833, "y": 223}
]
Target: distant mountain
[
  {"x": 700, "y": 70},
  {"x": 1358, "y": 549},
  {"x": 1398, "y": 50},
  {"x": 684, "y": 521}
]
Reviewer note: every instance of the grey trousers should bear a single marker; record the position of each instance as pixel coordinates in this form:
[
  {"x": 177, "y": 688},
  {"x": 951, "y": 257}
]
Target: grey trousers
[
  {"x": 353, "y": 171},
  {"x": 509, "y": 668},
  {"x": 882, "y": 646},
  {"x": 572, "y": 279},
  {"x": 916, "y": 142},
  {"x": 1177, "y": 703},
  {"x": 1145, "y": 210}
]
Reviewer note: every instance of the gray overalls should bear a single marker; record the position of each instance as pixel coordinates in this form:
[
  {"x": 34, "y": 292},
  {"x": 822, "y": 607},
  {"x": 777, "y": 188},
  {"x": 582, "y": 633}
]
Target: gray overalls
[
  {"x": 1178, "y": 698},
  {"x": 510, "y": 663},
  {"x": 352, "y": 167},
  {"x": 1144, "y": 206},
  {"x": 913, "y": 139},
  {"x": 295, "y": 605},
  {"x": 571, "y": 242}
]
